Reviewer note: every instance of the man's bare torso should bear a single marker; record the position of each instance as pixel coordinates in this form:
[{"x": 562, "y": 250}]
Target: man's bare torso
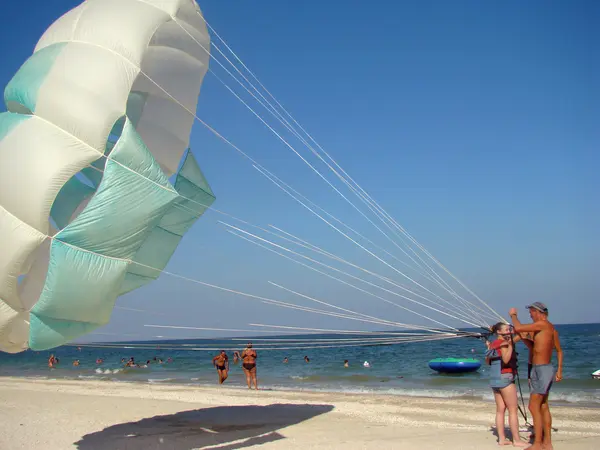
[
  {"x": 543, "y": 344},
  {"x": 220, "y": 360}
]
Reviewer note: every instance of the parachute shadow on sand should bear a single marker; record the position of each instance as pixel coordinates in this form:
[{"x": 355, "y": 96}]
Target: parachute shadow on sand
[{"x": 238, "y": 426}]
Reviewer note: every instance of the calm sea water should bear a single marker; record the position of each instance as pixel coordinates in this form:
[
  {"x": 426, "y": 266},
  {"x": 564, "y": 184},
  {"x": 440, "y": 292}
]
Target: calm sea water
[{"x": 395, "y": 369}]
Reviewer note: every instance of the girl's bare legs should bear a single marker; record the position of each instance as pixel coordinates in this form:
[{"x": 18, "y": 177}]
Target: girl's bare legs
[
  {"x": 500, "y": 411},
  {"x": 509, "y": 396}
]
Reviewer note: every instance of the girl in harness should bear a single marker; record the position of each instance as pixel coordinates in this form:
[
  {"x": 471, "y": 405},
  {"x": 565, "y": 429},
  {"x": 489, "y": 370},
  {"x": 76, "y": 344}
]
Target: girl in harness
[{"x": 502, "y": 358}]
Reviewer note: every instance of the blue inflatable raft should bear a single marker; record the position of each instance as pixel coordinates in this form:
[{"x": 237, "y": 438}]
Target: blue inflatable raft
[{"x": 455, "y": 365}]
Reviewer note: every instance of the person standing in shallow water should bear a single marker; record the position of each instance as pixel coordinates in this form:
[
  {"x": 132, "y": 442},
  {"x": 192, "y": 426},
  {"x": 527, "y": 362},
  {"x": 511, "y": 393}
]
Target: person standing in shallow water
[
  {"x": 502, "y": 358},
  {"x": 249, "y": 365},
  {"x": 221, "y": 362},
  {"x": 542, "y": 371}
]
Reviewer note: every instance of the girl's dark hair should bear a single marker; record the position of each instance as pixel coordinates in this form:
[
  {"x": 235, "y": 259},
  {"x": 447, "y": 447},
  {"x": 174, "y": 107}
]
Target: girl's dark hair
[{"x": 496, "y": 327}]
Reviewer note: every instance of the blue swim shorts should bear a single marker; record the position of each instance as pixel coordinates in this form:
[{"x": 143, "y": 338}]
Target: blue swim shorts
[{"x": 542, "y": 377}]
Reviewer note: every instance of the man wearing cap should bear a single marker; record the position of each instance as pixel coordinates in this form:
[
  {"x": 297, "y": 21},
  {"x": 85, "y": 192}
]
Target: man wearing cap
[{"x": 542, "y": 372}]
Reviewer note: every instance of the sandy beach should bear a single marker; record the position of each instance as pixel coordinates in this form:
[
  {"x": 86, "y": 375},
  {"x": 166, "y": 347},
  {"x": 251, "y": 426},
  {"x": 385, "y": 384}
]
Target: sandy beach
[{"x": 61, "y": 414}]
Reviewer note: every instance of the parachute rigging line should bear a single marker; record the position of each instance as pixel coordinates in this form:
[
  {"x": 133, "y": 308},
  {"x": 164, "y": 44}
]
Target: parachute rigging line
[
  {"x": 364, "y": 195},
  {"x": 522, "y": 408},
  {"x": 255, "y": 164},
  {"x": 346, "y": 283},
  {"x": 428, "y": 273},
  {"x": 163, "y": 187},
  {"x": 300, "y": 242},
  {"x": 279, "y": 343},
  {"x": 284, "y": 304},
  {"x": 314, "y": 170},
  {"x": 279, "y": 327},
  {"x": 216, "y": 133},
  {"x": 263, "y": 299},
  {"x": 166, "y": 347},
  {"x": 280, "y": 184},
  {"x": 279, "y": 136}
]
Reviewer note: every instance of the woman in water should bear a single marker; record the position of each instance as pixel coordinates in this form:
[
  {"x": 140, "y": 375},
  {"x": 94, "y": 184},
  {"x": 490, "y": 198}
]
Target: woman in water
[
  {"x": 502, "y": 358},
  {"x": 249, "y": 365}
]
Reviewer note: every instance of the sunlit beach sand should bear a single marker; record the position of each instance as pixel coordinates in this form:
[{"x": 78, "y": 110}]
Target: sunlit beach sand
[{"x": 61, "y": 414}]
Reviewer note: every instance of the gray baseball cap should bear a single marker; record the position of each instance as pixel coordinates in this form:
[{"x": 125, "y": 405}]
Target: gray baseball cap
[{"x": 541, "y": 307}]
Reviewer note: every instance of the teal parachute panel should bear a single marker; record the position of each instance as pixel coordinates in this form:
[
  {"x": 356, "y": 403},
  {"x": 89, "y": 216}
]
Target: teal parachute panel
[
  {"x": 126, "y": 206},
  {"x": 21, "y": 92},
  {"x": 89, "y": 257},
  {"x": 78, "y": 296},
  {"x": 8, "y": 121},
  {"x": 88, "y": 146},
  {"x": 162, "y": 242},
  {"x": 190, "y": 171}
]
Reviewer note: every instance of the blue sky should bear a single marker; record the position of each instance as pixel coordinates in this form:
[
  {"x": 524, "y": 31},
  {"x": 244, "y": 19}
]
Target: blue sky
[{"x": 475, "y": 124}]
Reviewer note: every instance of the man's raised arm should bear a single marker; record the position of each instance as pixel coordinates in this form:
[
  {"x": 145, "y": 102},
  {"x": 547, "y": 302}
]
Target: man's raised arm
[{"x": 521, "y": 328}]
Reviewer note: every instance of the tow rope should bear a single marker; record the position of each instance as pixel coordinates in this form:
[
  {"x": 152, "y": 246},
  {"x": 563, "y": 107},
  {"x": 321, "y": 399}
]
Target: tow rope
[{"x": 522, "y": 408}]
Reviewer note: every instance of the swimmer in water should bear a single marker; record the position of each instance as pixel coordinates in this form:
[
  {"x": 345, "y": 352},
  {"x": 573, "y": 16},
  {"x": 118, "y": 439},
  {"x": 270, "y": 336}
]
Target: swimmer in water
[
  {"x": 249, "y": 365},
  {"x": 346, "y": 364},
  {"x": 221, "y": 362}
]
